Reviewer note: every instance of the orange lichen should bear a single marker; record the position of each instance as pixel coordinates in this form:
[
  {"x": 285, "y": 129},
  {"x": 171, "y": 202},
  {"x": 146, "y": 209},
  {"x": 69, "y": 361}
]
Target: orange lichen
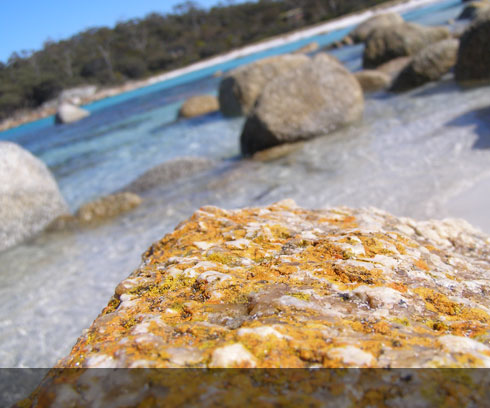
[{"x": 297, "y": 280}]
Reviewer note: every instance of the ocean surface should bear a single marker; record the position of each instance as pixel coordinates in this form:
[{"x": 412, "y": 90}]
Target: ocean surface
[{"x": 414, "y": 154}]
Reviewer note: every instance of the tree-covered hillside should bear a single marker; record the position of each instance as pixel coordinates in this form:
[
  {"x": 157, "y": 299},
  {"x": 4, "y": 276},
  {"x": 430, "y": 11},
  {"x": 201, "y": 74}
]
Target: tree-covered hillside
[{"x": 138, "y": 48}]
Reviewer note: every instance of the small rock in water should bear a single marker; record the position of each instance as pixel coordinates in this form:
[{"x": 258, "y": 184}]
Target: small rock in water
[
  {"x": 108, "y": 207},
  {"x": 312, "y": 100},
  {"x": 199, "y": 105},
  {"x": 373, "y": 80},
  {"x": 68, "y": 113}
]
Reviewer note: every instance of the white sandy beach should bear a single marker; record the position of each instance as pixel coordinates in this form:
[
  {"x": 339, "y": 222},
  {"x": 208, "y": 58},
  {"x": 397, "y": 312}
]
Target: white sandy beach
[{"x": 336, "y": 24}]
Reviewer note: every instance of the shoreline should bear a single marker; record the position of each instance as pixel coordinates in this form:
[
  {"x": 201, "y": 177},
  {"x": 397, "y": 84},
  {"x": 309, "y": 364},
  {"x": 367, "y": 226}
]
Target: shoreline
[{"x": 398, "y": 6}]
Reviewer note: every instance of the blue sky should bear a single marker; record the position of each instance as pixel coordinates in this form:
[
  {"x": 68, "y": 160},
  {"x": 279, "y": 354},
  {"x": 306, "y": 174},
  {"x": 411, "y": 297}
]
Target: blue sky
[{"x": 26, "y": 24}]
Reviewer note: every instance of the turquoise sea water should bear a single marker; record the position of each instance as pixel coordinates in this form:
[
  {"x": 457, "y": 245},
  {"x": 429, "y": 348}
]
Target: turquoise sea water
[{"x": 411, "y": 154}]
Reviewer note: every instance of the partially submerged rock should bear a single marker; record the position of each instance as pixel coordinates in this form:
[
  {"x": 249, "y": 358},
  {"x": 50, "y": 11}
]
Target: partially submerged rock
[
  {"x": 68, "y": 113},
  {"x": 365, "y": 29},
  {"x": 312, "y": 100},
  {"x": 107, "y": 207},
  {"x": 282, "y": 286},
  {"x": 29, "y": 196},
  {"x": 473, "y": 64},
  {"x": 96, "y": 212},
  {"x": 399, "y": 40},
  {"x": 199, "y": 105},
  {"x": 169, "y": 172},
  {"x": 372, "y": 80},
  {"x": 430, "y": 64},
  {"x": 240, "y": 88}
]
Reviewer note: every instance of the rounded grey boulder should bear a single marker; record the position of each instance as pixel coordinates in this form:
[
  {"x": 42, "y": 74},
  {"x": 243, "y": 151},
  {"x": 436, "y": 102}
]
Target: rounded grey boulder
[
  {"x": 310, "y": 101},
  {"x": 364, "y": 30},
  {"x": 29, "y": 196},
  {"x": 399, "y": 40},
  {"x": 430, "y": 64},
  {"x": 473, "y": 62},
  {"x": 240, "y": 88}
]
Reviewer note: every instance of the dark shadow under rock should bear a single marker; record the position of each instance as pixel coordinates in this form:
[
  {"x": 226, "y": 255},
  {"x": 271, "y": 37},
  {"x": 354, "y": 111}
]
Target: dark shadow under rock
[{"x": 481, "y": 118}]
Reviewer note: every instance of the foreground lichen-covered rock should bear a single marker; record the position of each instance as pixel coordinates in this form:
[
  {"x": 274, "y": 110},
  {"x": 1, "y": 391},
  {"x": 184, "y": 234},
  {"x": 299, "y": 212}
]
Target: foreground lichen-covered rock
[{"x": 287, "y": 287}]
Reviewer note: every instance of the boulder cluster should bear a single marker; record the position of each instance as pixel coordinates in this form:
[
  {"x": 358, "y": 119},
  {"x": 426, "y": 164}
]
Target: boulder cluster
[
  {"x": 286, "y": 99},
  {"x": 295, "y": 97}
]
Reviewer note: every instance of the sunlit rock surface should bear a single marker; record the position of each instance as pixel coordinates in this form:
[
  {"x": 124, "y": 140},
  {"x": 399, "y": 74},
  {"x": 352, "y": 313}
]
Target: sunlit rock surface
[
  {"x": 430, "y": 64},
  {"x": 240, "y": 88},
  {"x": 282, "y": 286}
]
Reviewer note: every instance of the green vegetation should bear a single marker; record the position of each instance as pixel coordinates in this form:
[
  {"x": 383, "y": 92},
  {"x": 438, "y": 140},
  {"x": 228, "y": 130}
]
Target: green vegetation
[{"x": 139, "y": 48}]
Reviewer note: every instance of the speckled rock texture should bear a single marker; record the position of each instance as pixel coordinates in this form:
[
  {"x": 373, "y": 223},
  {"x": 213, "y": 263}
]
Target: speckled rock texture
[
  {"x": 241, "y": 87},
  {"x": 282, "y": 286},
  {"x": 399, "y": 40},
  {"x": 430, "y": 64},
  {"x": 29, "y": 196},
  {"x": 199, "y": 105},
  {"x": 473, "y": 63},
  {"x": 364, "y": 30},
  {"x": 312, "y": 100}
]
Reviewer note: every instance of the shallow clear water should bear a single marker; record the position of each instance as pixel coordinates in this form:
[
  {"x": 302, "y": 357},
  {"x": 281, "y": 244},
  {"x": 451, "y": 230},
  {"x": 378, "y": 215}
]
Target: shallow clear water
[{"x": 411, "y": 155}]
